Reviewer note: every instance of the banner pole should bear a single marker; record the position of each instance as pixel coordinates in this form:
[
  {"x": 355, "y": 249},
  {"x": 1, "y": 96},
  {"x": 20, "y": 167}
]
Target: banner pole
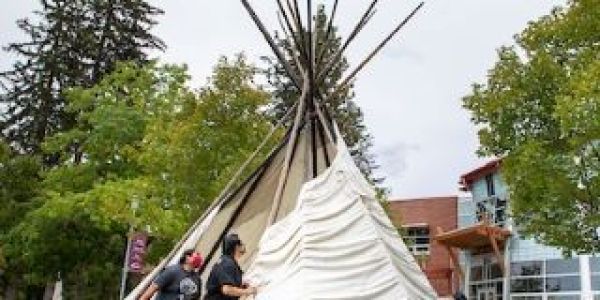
[{"x": 125, "y": 267}]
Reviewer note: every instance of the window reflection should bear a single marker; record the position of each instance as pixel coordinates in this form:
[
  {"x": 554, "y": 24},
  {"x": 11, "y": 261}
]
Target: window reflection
[
  {"x": 476, "y": 273},
  {"x": 563, "y": 297},
  {"x": 526, "y": 297},
  {"x": 567, "y": 283},
  {"x": 528, "y": 268},
  {"x": 528, "y": 285},
  {"x": 595, "y": 264},
  {"x": 495, "y": 271},
  {"x": 562, "y": 266},
  {"x": 596, "y": 282}
]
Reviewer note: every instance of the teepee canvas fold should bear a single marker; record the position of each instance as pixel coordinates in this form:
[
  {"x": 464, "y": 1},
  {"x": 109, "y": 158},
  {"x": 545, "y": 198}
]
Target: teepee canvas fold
[
  {"x": 311, "y": 223},
  {"x": 337, "y": 243}
]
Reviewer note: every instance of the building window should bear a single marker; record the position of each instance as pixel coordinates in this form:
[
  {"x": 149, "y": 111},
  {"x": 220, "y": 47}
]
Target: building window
[
  {"x": 595, "y": 272},
  {"x": 556, "y": 271},
  {"x": 553, "y": 277},
  {"x": 486, "y": 279},
  {"x": 417, "y": 239},
  {"x": 489, "y": 183},
  {"x": 563, "y": 297},
  {"x": 527, "y": 285},
  {"x": 562, "y": 284},
  {"x": 492, "y": 209},
  {"x": 526, "y": 268},
  {"x": 562, "y": 266}
]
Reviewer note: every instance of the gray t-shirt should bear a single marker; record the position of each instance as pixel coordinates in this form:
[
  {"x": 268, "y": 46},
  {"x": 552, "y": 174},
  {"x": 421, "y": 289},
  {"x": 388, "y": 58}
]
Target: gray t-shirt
[{"x": 175, "y": 283}]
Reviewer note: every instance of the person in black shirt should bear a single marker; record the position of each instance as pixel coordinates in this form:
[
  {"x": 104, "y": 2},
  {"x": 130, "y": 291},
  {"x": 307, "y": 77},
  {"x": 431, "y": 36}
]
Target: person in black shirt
[
  {"x": 178, "y": 282},
  {"x": 225, "y": 279}
]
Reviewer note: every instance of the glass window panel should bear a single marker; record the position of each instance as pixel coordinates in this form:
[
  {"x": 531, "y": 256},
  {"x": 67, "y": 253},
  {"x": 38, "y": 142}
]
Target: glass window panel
[
  {"x": 416, "y": 231},
  {"x": 501, "y": 203},
  {"x": 473, "y": 290},
  {"x": 500, "y": 217},
  {"x": 563, "y": 297},
  {"x": 596, "y": 282},
  {"x": 562, "y": 266},
  {"x": 529, "y": 285},
  {"x": 495, "y": 271},
  {"x": 526, "y": 268},
  {"x": 566, "y": 283},
  {"x": 489, "y": 183},
  {"x": 526, "y": 298},
  {"x": 422, "y": 240},
  {"x": 596, "y": 297},
  {"x": 595, "y": 264},
  {"x": 476, "y": 273}
]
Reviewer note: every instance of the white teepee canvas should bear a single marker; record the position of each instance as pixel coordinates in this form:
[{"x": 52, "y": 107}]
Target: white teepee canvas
[{"x": 310, "y": 221}]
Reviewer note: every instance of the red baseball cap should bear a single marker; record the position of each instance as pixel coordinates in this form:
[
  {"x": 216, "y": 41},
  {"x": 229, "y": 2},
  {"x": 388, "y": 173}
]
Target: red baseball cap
[{"x": 196, "y": 260}]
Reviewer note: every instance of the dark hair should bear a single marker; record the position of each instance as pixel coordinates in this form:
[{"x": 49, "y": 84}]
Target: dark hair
[
  {"x": 185, "y": 254},
  {"x": 230, "y": 242}
]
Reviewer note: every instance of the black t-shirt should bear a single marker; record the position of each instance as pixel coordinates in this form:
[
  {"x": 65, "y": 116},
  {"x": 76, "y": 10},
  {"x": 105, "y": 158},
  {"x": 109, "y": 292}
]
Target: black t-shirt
[
  {"x": 224, "y": 272},
  {"x": 175, "y": 283}
]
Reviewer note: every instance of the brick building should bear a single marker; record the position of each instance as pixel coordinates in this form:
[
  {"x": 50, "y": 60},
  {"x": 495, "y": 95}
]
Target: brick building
[{"x": 420, "y": 219}]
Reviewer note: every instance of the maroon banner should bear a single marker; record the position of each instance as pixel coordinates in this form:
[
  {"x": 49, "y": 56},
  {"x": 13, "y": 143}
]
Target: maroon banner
[{"x": 137, "y": 252}]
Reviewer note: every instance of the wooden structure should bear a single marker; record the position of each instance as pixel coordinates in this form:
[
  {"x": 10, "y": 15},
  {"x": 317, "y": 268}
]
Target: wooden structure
[{"x": 482, "y": 237}]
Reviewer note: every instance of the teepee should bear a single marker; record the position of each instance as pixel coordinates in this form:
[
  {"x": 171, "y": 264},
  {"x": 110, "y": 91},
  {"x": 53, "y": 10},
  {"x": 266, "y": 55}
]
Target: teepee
[{"x": 311, "y": 223}]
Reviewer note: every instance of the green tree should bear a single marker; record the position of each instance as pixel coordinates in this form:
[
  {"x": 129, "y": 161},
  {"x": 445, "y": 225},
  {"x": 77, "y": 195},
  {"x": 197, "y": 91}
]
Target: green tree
[
  {"x": 87, "y": 205},
  {"x": 74, "y": 43},
  {"x": 146, "y": 138},
  {"x": 345, "y": 111},
  {"x": 211, "y": 137},
  {"x": 19, "y": 190},
  {"x": 540, "y": 110},
  {"x": 19, "y": 186}
]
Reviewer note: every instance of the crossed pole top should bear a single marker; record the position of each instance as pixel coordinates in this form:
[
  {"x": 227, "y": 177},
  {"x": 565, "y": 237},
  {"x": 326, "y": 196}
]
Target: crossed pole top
[
  {"x": 304, "y": 64},
  {"x": 305, "y": 60}
]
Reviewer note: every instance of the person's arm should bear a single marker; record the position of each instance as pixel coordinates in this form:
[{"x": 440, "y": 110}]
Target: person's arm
[
  {"x": 233, "y": 291},
  {"x": 150, "y": 291},
  {"x": 163, "y": 279}
]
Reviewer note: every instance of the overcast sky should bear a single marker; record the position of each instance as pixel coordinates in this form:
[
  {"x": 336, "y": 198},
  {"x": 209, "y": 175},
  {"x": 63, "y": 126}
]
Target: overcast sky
[{"x": 410, "y": 94}]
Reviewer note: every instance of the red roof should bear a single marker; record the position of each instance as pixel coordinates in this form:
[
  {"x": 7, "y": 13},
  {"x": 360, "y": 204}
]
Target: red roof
[{"x": 467, "y": 179}]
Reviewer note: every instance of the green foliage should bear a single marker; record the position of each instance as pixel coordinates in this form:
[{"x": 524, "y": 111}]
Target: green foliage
[
  {"x": 154, "y": 154},
  {"x": 211, "y": 138},
  {"x": 540, "y": 109},
  {"x": 19, "y": 185},
  {"x": 71, "y": 43}
]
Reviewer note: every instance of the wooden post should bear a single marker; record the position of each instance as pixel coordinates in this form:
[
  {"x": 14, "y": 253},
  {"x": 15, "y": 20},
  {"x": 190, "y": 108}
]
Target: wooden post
[
  {"x": 499, "y": 256},
  {"x": 453, "y": 258},
  {"x": 288, "y": 156},
  {"x": 346, "y": 81}
]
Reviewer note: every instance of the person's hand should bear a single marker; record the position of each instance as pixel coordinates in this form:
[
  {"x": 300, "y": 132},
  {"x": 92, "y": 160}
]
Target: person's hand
[{"x": 252, "y": 290}]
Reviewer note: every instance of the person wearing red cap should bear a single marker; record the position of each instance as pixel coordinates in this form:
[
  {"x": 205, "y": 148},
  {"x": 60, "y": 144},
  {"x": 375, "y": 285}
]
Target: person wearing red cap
[{"x": 178, "y": 282}]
